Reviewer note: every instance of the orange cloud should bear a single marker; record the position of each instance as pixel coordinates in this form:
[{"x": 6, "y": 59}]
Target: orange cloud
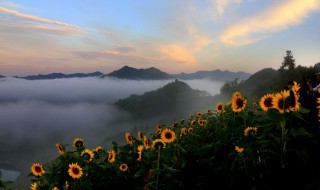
[
  {"x": 177, "y": 53},
  {"x": 279, "y": 17}
]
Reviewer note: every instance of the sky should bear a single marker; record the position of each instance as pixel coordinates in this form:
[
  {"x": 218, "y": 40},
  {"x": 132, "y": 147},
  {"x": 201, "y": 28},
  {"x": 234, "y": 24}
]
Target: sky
[{"x": 70, "y": 36}]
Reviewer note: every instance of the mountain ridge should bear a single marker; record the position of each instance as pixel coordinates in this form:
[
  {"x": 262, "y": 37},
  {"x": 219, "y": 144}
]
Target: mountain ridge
[{"x": 150, "y": 73}]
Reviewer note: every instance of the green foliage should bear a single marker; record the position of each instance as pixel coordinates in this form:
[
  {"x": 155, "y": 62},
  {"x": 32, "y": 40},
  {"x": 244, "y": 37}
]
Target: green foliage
[{"x": 278, "y": 151}]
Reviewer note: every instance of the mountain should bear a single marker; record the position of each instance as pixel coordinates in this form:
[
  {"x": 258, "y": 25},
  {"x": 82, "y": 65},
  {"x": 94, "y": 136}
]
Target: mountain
[
  {"x": 214, "y": 75},
  {"x": 61, "y": 75},
  {"x": 172, "y": 101},
  {"x": 2, "y": 76},
  {"x": 151, "y": 73}
]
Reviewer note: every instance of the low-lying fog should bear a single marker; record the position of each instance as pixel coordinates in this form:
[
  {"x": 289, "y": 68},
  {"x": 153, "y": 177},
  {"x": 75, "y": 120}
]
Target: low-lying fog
[{"x": 37, "y": 114}]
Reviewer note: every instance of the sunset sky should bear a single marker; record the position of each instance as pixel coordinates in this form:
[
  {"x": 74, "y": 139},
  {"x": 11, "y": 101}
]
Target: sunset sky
[{"x": 70, "y": 36}]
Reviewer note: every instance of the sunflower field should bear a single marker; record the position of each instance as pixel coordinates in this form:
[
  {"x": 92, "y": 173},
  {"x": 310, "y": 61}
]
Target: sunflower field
[{"x": 241, "y": 144}]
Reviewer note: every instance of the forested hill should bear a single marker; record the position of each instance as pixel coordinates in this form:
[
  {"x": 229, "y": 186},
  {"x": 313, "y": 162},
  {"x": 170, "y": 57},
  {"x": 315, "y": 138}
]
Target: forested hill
[{"x": 172, "y": 101}]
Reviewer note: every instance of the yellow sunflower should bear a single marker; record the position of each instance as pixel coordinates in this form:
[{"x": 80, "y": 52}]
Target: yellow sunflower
[
  {"x": 111, "y": 156},
  {"x": 98, "y": 149},
  {"x": 238, "y": 103},
  {"x": 146, "y": 142},
  {"x": 129, "y": 138},
  {"x": 219, "y": 107},
  {"x": 199, "y": 114},
  {"x": 158, "y": 143},
  {"x": 266, "y": 102},
  {"x": 88, "y": 154},
  {"x": 183, "y": 131},
  {"x": 55, "y": 188},
  {"x": 250, "y": 131},
  {"x": 140, "y": 135},
  {"x": 159, "y": 126},
  {"x": 193, "y": 122},
  {"x": 209, "y": 111},
  {"x": 239, "y": 149},
  {"x": 37, "y": 169},
  {"x": 140, "y": 149},
  {"x": 294, "y": 101},
  {"x": 34, "y": 186},
  {"x": 78, "y": 143},
  {"x": 295, "y": 87},
  {"x": 281, "y": 101},
  {"x": 168, "y": 135},
  {"x": 61, "y": 148},
  {"x": 123, "y": 167},
  {"x": 158, "y": 131},
  {"x": 75, "y": 171},
  {"x": 190, "y": 130}
]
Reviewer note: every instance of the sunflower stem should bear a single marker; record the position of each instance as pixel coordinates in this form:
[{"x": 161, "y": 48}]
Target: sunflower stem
[
  {"x": 158, "y": 166},
  {"x": 283, "y": 143}
]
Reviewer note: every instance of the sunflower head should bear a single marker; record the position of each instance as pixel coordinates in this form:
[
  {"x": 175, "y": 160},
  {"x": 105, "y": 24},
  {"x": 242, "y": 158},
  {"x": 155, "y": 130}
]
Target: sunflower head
[
  {"x": 87, "y": 154},
  {"x": 111, "y": 156},
  {"x": 281, "y": 101},
  {"x": 219, "y": 107},
  {"x": 75, "y": 171},
  {"x": 129, "y": 138},
  {"x": 250, "y": 131},
  {"x": 34, "y": 186},
  {"x": 238, "y": 103},
  {"x": 239, "y": 149},
  {"x": 98, "y": 149},
  {"x": 209, "y": 111},
  {"x": 61, "y": 148},
  {"x": 158, "y": 144},
  {"x": 183, "y": 131},
  {"x": 140, "y": 151},
  {"x": 168, "y": 136},
  {"x": 37, "y": 170},
  {"x": 78, "y": 143},
  {"x": 140, "y": 135},
  {"x": 266, "y": 102},
  {"x": 146, "y": 142},
  {"x": 199, "y": 114},
  {"x": 123, "y": 167}
]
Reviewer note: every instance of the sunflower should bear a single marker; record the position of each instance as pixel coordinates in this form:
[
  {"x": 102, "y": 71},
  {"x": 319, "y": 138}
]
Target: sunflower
[
  {"x": 61, "y": 148},
  {"x": 239, "y": 149},
  {"x": 78, "y": 143},
  {"x": 318, "y": 102},
  {"x": 266, "y": 102},
  {"x": 238, "y": 103},
  {"x": 294, "y": 101},
  {"x": 168, "y": 135},
  {"x": 34, "y": 186},
  {"x": 111, "y": 156},
  {"x": 254, "y": 105},
  {"x": 158, "y": 143},
  {"x": 129, "y": 138},
  {"x": 182, "y": 121},
  {"x": 250, "y": 131},
  {"x": 88, "y": 154},
  {"x": 193, "y": 122},
  {"x": 75, "y": 171},
  {"x": 55, "y": 188},
  {"x": 219, "y": 107},
  {"x": 140, "y": 149},
  {"x": 158, "y": 131},
  {"x": 98, "y": 149},
  {"x": 209, "y": 111},
  {"x": 123, "y": 167},
  {"x": 190, "y": 130},
  {"x": 159, "y": 126},
  {"x": 37, "y": 169},
  {"x": 146, "y": 142},
  {"x": 183, "y": 131},
  {"x": 281, "y": 101},
  {"x": 175, "y": 124},
  {"x": 295, "y": 87},
  {"x": 140, "y": 135},
  {"x": 199, "y": 114}
]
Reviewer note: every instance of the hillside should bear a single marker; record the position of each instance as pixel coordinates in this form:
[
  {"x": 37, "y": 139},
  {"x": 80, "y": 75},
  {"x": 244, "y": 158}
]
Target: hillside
[
  {"x": 214, "y": 75},
  {"x": 151, "y": 73},
  {"x": 61, "y": 75},
  {"x": 173, "y": 101}
]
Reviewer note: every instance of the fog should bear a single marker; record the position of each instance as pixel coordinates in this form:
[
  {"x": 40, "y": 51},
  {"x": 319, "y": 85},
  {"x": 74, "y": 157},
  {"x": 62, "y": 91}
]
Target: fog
[{"x": 37, "y": 114}]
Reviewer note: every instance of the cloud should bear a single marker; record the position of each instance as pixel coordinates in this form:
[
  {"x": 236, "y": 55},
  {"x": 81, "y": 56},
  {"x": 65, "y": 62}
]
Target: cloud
[
  {"x": 177, "y": 53},
  {"x": 38, "y": 23},
  {"x": 278, "y": 17}
]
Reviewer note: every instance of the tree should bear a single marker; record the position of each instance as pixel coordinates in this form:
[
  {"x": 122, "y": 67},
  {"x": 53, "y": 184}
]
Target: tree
[{"x": 288, "y": 63}]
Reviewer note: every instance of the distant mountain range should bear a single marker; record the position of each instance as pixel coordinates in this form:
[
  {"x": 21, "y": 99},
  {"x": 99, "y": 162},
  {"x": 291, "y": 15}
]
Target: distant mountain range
[{"x": 151, "y": 73}]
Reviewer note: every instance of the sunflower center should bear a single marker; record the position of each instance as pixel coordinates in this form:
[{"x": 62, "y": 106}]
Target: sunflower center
[
  {"x": 168, "y": 135},
  {"x": 268, "y": 102},
  {"x": 38, "y": 169},
  {"x": 75, "y": 171},
  {"x": 239, "y": 103}
]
